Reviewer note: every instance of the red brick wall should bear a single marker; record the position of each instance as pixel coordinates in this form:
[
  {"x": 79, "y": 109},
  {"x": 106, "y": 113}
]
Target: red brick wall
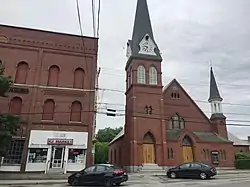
[
  {"x": 241, "y": 148},
  {"x": 195, "y": 119},
  {"x": 40, "y": 50}
]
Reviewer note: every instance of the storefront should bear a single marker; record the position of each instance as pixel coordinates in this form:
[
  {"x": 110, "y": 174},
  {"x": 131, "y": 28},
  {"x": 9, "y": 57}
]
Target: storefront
[{"x": 57, "y": 151}]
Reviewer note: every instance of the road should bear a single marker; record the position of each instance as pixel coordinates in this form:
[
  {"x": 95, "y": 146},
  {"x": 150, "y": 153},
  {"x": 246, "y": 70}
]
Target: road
[{"x": 149, "y": 181}]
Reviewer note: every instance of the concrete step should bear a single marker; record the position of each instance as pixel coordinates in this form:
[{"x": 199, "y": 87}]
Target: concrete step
[{"x": 151, "y": 168}]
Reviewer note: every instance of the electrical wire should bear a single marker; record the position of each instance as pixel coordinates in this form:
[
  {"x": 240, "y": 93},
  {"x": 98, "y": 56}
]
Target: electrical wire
[
  {"x": 142, "y": 106},
  {"x": 202, "y": 83},
  {"x": 93, "y": 18},
  {"x": 188, "y": 119},
  {"x": 199, "y": 101},
  {"x": 139, "y": 115},
  {"x": 98, "y": 18}
]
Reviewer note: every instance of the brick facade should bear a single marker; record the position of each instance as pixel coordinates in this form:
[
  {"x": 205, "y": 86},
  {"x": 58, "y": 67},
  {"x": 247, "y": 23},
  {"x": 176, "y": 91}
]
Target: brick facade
[
  {"x": 165, "y": 126},
  {"x": 58, "y": 73}
]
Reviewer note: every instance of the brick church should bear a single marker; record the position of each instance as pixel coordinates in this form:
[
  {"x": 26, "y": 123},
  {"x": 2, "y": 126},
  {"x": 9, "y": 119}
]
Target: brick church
[{"x": 163, "y": 125}]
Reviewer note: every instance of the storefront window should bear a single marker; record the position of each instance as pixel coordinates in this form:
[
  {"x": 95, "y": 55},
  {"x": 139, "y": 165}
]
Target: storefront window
[
  {"x": 37, "y": 155},
  {"x": 14, "y": 153},
  {"x": 76, "y": 156}
]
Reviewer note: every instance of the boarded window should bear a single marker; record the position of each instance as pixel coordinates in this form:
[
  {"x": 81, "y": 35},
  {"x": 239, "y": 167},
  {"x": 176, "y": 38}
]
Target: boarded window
[
  {"x": 15, "y": 106},
  {"x": 76, "y": 111},
  {"x": 21, "y": 73},
  {"x": 48, "y": 110},
  {"x": 78, "y": 78},
  {"x": 53, "y": 77}
]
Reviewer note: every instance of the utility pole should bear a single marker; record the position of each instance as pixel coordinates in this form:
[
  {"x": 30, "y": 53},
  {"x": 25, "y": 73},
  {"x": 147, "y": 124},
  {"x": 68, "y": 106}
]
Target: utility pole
[{"x": 95, "y": 113}]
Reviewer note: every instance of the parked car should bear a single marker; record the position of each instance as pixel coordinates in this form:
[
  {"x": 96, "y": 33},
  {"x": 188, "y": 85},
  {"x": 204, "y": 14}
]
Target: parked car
[
  {"x": 192, "y": 170},
  {"x": 99, "y": 174}
]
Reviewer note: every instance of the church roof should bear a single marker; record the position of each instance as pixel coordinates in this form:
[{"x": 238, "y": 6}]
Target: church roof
[
  {"x": 214, "y": 91},
  {"x": 119, "y": 135},
  {"x": 237, "y": 141},
  {"x": 204, "y": 136},
  {"x": 142, "y": 26}
]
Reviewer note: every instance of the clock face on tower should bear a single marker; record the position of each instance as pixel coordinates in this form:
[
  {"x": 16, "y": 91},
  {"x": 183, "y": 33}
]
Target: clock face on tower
[{"x": 147, "y": 46}]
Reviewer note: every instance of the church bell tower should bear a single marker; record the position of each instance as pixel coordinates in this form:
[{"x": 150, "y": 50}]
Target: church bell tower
[
  {"x": 217, "y": 117},
  {"x": 144, "y": 127}
]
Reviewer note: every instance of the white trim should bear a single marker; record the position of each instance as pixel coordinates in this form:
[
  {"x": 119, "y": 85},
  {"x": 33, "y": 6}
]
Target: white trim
[
  {"x": 78, "y": 122},
  {"x": 153, "y": 76},
  {"x": 141, "y": 74}
]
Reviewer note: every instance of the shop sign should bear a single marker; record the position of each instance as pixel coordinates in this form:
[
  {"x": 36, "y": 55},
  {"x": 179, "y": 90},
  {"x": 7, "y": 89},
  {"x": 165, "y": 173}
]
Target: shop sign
[{"x": 51, "y": 141}]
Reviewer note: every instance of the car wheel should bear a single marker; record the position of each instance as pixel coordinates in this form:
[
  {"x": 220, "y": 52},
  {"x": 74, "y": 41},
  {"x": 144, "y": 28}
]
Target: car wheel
[
  {"x": 172, "y": 175},
  {"x": 74, "y": 183},
  {"x": 203, "y": 175},
  {"x": 108, "y": 183}
]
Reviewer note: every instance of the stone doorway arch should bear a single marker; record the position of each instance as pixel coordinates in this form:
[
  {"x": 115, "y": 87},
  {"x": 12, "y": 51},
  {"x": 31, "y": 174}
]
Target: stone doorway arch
[
  {"x": 187, "y": 149},
  {"x": 149, "y": 151}
]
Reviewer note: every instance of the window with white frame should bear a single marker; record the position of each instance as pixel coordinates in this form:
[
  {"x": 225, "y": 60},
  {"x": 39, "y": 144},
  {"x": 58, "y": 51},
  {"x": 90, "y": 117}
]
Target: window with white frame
[
  {"x": 37, "y": 155},
  {"x": 141, "y": 78},
  {"x": 76, "y": 156},
  {"x": 152, "y": 75}
]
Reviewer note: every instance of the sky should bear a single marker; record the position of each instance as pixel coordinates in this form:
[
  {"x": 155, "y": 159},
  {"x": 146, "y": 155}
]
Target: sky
[{"x": 191, "y": 34}]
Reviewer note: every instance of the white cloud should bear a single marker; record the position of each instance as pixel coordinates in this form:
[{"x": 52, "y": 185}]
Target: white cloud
[{"x": 189, "y": 34}]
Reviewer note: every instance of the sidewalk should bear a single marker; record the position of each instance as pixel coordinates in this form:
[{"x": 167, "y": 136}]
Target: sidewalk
[
  {"x": 31, "y": 182},
  {"x": 40, "y": 178}
]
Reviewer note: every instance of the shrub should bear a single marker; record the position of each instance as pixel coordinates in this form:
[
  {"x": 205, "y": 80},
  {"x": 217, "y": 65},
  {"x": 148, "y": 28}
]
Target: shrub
[
  {"x": 242, "y": 155},
  {"x": 242, "y": 163}
]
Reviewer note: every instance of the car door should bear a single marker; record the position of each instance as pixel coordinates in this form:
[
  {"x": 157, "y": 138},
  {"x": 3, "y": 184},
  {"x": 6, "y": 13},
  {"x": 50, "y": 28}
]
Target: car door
[
  {"x": 99, "y": 175},
  {"x": 195, "y": 169},
  {"x": 86, "y": 177},
  {"x": 184, "y": 170}
]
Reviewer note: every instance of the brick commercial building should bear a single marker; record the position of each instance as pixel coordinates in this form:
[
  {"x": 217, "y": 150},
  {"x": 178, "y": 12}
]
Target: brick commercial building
[
  {"x": 164, "y": 126},
  {"x": 53, "y": 91}
]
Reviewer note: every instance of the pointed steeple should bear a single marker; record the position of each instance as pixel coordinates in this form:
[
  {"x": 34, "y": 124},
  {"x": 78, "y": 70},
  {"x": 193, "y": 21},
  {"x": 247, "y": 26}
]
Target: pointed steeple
[
  {"x": 143, "y": 29},
  {"x": 214, "y": 91}
]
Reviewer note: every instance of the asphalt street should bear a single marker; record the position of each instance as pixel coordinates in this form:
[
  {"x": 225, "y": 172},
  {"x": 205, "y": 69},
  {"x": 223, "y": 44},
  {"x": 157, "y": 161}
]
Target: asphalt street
[{"x": 153, "y": 181}]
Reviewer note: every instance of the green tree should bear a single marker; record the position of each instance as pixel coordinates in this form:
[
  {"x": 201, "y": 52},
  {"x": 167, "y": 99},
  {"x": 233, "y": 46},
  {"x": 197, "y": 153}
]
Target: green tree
[
  {"x": 241, "y": 155},
  {"x": 9, "y": 124},
  {"x": 101, "y": 152},
  {"x": 107, "y": 134},
  {"x": 104, "y": 136}
]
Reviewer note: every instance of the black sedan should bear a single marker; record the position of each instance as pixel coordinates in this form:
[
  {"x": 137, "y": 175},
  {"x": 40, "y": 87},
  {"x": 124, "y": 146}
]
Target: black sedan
[
  {"x": 192, "y": 170},
  {"x": 99, "y": 174}
]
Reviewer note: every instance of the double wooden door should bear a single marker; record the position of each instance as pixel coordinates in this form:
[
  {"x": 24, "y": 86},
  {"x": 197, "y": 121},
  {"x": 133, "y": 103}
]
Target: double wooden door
[
  {"x": 187, "y": 152},
  {"x": 148, "y": 153}
]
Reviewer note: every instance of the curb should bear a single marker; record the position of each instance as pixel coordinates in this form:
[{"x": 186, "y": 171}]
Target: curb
[{"x": 32, "y": 183}]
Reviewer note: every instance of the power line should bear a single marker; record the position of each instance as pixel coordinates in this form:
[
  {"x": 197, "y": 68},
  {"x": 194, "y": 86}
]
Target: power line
[
  {"x": 188, "y": 119},
  {"x": 79, "y": 17},
  {"x": 93, "y": 17},
  {"x": 205, "y": 83},
  {"x": 199, "y": 101},
  {"x": 123, "y": 105},
  {"x": 141, "y": 115},
  {"x": 98, "y": 18}
]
